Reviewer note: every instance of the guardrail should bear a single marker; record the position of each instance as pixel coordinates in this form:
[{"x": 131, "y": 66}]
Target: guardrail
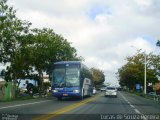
[{"x": 156, "y": 97}]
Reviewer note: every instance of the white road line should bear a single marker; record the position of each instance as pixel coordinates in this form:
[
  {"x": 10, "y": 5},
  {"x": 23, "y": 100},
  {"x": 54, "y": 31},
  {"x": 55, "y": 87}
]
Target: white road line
[
  {"x": 24, "y": 104},
  {"x": 137, "y": 111},
  {"x": 132, "y": 106}
]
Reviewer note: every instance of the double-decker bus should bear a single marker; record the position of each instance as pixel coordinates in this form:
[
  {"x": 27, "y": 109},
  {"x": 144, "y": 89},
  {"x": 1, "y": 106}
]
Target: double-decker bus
[{"x": 71, "y": 79}]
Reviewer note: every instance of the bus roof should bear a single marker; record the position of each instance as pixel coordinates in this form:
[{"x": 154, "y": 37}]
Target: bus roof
[
  {"x": 68, "y": 62},
  {"x": 71, "y": 62}
]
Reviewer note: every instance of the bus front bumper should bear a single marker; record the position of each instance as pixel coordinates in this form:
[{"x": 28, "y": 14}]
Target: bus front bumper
[{"x": 66, "y": 94}]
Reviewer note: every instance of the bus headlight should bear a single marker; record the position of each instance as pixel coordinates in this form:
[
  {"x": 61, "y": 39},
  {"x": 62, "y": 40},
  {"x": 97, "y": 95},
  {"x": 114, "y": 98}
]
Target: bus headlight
[
  {"x": 76, "y": 91},
  {"x": 55, "y": 91}
]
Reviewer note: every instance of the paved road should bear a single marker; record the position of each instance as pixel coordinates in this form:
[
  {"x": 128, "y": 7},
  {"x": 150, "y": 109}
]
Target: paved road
[{"x": 125, "y": 106}]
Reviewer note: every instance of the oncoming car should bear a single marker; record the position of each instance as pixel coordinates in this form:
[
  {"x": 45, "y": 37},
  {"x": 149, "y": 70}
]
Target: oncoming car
[{"x": 111, "y": 91}]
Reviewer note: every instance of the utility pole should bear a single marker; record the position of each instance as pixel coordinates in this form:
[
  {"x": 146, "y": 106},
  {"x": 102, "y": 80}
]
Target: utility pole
[{"x": 145, "y": 66}]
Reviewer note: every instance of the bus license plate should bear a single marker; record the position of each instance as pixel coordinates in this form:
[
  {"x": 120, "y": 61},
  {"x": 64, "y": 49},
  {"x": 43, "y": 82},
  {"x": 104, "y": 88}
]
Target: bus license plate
[{"x": 65, "y": 94}]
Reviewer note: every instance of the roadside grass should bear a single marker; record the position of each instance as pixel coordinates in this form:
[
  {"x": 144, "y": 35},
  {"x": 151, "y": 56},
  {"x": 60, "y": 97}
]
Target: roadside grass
[
  {"x": 17, "y": 99},
  {"x": 28, "y": 97}
]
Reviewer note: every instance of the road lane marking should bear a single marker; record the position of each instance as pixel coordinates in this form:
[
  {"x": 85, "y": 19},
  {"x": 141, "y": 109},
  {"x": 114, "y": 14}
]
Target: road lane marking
[
  {"x": 136, "y": 110},
  {"x": 132, "y": 106},
  {"x": 24, "y": 104},
  {"x": 65, "y": 109}
]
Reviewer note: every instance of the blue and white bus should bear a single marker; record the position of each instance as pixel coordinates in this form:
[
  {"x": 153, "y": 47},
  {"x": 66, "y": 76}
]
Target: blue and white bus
[{"x": 71, "y": 79}]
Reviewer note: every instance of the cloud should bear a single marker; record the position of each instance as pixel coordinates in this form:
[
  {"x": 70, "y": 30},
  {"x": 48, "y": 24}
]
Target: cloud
[{"x": 102, "y": 31}]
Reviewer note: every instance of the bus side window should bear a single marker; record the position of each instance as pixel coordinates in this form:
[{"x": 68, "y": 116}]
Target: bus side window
[{"x": 82, "y": 76}]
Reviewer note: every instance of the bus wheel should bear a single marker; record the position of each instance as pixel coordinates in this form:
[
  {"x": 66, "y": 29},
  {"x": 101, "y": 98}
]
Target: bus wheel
[{"x": 59, "y": 98}]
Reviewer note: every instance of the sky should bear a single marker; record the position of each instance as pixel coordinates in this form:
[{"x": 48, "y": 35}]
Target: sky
[{"x": 102, "y": 31}]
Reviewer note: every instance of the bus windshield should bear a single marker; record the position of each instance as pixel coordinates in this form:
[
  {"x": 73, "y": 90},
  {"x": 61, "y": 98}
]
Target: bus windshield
[
  {"x": 72, "y": 76},
  {"x": 66, "y": 75},
  {"x": 59, "y": 76}
]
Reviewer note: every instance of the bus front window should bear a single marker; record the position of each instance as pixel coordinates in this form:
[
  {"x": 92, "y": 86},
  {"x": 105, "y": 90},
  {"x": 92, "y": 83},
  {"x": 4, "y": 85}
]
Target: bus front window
[
  {"x": 59, "y": 77},
  {"x": 72, "y": 76}
]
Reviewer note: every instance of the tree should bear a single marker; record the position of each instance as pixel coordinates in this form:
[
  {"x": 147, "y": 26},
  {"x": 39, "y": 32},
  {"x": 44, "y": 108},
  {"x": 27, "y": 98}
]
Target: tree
[
  {"x": 47, "y": 47},
  {"x": 132, "y": 72},
  {"x": 98, "y": 76},
  {"x": 29, "y": 50},
  {"x": 12, "y": 31}
]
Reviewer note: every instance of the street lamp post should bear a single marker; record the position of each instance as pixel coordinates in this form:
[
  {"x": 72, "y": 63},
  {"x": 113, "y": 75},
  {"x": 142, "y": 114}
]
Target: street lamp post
[{"x": 145, "y": 70}]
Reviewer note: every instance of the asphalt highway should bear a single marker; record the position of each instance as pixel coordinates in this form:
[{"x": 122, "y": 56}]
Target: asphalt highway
[{"x": 98, "y": 107}]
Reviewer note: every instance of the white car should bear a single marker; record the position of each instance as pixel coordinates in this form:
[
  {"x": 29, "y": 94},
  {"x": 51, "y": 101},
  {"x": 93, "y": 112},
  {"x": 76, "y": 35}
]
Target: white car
[
  {"x": 94, "y": 91},
  {"x": 103, "y": 89},
  {"x": 111, "y": 91}
]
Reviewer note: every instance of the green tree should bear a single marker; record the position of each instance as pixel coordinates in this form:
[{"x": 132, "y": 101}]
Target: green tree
[
  {"x": 12, "y": 31},
  {"x": 47, "y": 47},
  {"x": 133, "y": 71},
  {"x": 29, "y": 50},
  {"x": 98, "y": 76}
]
